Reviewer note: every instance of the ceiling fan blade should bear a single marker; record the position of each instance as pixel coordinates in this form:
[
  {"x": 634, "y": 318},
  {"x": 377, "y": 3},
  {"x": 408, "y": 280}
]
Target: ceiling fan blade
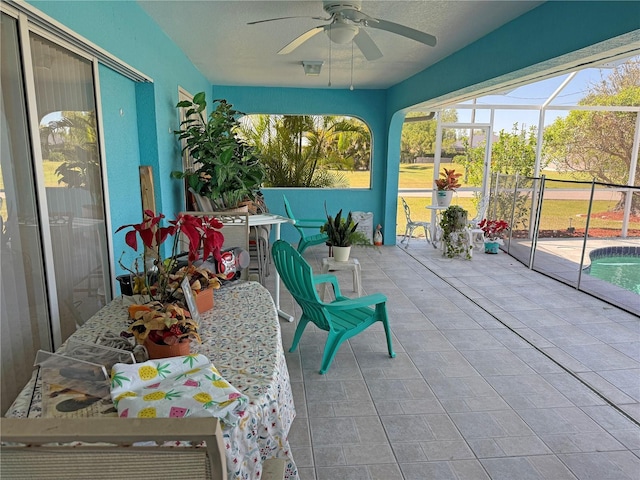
[
  {"x": 300, "y": 40},
  {"x": 408, "y": 32},
  {"x": 368, "y": 48},
  {"x": 286, "y": 18}
]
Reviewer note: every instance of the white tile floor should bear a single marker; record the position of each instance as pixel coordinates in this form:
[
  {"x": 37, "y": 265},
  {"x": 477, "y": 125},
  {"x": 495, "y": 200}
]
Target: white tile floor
[{"x": 501, "y": 373}]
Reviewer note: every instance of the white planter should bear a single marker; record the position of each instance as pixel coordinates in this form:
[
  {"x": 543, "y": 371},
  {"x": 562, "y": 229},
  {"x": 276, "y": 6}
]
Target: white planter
[
  {"x": 443, "y": 197},
  {"x": 341, "y": 254}
]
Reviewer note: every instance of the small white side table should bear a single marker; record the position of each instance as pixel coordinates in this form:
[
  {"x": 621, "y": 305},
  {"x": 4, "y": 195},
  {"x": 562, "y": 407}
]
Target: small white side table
[
  {"x": 477, "y": 238},
  {"x": 436, "y": 230},
  {"x": 329, "y": 264}
]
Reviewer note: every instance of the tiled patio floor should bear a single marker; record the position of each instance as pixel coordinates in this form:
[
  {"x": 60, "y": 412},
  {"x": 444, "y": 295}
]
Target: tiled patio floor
[{"x": 501, "y": 373}]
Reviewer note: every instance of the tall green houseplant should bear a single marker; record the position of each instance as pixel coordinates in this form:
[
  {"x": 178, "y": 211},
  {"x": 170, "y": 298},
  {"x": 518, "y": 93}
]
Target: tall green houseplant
[{"x": 227, "y": 169}]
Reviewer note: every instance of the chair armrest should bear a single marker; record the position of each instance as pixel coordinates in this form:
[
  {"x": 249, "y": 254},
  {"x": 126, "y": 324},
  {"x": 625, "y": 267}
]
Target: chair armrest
[
  {"x": 328, "y": 278},
  {"x": 309, "y": 222},
  {"x": 351, "y": 303}
]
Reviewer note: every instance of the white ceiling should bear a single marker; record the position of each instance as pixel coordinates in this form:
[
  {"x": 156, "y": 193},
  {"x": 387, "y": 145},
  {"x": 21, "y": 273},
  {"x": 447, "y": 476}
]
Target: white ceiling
[{"x": 214, "y": 34}]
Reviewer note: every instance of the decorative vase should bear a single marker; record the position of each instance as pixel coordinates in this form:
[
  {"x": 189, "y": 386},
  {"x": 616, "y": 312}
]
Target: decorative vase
[
  {"x": 491, "y": 247},
  {"x": 204, "y": 300},
  {"x": 341, "y": 254},
  {"x": 156, "y": 351},
  {"x": 443, "y": 197}
]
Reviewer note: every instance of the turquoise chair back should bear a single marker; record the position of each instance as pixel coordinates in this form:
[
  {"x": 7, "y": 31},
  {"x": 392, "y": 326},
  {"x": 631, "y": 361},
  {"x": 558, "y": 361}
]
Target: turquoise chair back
[
  {"x": 297, "y": 276},
  {"x": 302, "y": 224}
]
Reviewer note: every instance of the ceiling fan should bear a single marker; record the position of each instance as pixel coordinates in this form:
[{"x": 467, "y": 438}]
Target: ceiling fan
[{"x": 347, "y": 22}]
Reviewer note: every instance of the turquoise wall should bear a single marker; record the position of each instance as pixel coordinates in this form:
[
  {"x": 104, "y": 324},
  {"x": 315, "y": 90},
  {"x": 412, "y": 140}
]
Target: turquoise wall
[
  {"x": 121, "y": 148},
  {"x": 143, "y": 133},
  {"x": 539, "y": 41},
  {"x": 368, "y": 105}
]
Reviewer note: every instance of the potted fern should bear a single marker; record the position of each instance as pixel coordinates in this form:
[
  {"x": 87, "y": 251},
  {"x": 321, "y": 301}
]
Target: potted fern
[{"x": 343, "y": 233}]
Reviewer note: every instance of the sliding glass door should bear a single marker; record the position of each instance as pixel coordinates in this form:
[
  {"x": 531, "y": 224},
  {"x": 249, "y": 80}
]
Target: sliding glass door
[
  {"x": 72, "y": 178},
  {"x": 23, "y": 308},
  {"x": 53, "y": 244}
]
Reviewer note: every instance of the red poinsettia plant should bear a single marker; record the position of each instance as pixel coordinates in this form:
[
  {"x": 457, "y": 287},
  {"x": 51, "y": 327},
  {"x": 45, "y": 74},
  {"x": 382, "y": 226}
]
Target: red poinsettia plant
[
  {"x": 203, "y": 239},
  {"x": 493, "y": 229}
]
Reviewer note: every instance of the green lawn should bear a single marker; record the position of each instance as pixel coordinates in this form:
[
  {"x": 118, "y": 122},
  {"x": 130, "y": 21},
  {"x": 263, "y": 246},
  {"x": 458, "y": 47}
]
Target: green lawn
[
  {"x": 420, "y": 175},
  {"x": 417, "y": 205},
  {"x": 410, "y": 176},
  {"x": 50, "y": 177},
  {"x": 555, "y": 213}
]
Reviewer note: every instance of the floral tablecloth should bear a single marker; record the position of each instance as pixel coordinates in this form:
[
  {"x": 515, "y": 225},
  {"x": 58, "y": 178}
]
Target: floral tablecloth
[{"x": 241, "y": 336}]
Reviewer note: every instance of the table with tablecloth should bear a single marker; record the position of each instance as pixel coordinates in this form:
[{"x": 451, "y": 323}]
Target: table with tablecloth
[{"x": 241, "y": 336}]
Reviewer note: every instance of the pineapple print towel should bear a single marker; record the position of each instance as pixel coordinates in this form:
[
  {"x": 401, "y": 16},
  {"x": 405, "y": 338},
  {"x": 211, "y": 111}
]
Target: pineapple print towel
[{"x": 187, "y": 386}]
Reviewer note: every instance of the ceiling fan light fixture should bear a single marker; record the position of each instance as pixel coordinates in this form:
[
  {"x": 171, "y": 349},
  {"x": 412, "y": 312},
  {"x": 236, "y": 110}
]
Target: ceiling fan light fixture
[
  {"x": 312, "y": 67},
  {"x": 341, "y": 32}
]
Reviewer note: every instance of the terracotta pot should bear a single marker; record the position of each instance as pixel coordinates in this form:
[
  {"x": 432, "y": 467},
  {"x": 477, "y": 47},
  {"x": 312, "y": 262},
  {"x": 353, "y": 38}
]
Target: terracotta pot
[
  {"x": 239, "y": 209},
  {"x": 204, "y": 300},
  {"x": 164, "y": 351}
]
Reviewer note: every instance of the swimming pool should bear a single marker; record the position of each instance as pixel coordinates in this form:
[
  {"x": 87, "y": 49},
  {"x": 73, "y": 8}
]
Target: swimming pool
[{"x": 617, "y": 265}]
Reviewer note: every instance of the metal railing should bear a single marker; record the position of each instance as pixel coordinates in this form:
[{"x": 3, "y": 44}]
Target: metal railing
[{"x": 557, "y": 226}]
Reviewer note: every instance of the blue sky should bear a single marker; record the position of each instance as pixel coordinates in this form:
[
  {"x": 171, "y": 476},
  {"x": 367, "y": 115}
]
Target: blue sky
[{"x": 535, "y": 94}]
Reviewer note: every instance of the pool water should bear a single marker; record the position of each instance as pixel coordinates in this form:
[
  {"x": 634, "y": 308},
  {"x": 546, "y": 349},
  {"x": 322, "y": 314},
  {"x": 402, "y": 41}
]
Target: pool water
[{"x": 620, "y": 270}]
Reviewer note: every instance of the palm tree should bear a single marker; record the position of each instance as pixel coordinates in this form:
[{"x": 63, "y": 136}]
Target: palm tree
[
  {"x": 75, "y": 140},
  {"x": 305, "y": 150}
]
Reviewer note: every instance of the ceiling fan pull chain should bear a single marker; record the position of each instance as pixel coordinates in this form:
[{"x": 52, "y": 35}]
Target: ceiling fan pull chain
[
  {"x": 351, "y": 86},
  {"x": 329, "y": 58}
]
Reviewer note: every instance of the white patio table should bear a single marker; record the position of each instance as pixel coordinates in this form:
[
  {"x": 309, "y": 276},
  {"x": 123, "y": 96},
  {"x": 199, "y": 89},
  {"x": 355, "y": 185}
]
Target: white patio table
[{"x": 276, "y": 221}]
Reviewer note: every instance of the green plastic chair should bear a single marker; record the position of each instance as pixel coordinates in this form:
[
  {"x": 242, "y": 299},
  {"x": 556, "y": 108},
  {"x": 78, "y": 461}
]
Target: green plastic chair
[
  {"x": 343, "y": 318},
  {"x": 302, "y": 224}
]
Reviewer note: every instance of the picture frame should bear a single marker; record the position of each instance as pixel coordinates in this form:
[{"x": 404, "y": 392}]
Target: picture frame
[{"x": 190, "y": 300}]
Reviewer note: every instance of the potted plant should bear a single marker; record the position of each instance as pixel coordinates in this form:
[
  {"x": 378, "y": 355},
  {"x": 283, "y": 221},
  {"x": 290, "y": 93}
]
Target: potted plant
[
  {"x": 227, "y": 169},
  {"x": 342, "y": 234},
  {"x": 202, "y": 282},
  {"x": 164, "y": 320},
  {"x": 161, "y": 278},
  {"x": 164, "y": 330},
  {"x": 493, "y": 231},
  {"x": 446, "y": 185},
  {"x": 455, "y": 234}
]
